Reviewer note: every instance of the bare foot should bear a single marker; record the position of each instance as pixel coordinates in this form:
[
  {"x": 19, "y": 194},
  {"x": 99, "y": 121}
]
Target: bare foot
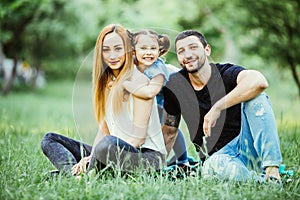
[{"x": 273, "y": 172}]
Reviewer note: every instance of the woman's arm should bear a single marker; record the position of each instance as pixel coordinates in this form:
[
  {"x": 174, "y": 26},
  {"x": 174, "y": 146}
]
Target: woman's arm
[
  {"x": 141, "y": 115},
  {"x": 143, "y": 91}
]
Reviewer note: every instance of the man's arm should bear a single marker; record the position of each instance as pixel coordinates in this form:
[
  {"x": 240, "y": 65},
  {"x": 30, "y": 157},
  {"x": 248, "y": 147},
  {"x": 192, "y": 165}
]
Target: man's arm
[
  {"x": 170, "y": 130},
  {"x": 250, "y": 83}
]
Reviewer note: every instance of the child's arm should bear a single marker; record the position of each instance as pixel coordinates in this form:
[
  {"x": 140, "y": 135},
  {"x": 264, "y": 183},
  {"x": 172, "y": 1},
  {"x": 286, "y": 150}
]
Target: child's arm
[{"x": 145, "y": 91}]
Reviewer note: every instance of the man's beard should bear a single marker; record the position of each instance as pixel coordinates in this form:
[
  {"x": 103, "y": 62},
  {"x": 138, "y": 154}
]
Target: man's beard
[{"x": 199, "y": 66}]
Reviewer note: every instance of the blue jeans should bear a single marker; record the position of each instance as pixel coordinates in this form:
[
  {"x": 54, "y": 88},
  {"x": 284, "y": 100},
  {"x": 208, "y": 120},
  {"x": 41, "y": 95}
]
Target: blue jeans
[{"x": 255, "y": 148}]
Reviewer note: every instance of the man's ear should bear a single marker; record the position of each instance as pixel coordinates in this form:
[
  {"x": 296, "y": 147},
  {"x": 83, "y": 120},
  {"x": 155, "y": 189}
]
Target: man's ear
[{"x": 207, "y": 50}]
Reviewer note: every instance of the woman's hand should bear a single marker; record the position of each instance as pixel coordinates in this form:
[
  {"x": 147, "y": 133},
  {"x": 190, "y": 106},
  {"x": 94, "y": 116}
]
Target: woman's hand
[{"x": 81, "y": 166}]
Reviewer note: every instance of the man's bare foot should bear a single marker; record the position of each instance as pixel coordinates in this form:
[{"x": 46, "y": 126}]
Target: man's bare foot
[{"x": 272, "y": 172}]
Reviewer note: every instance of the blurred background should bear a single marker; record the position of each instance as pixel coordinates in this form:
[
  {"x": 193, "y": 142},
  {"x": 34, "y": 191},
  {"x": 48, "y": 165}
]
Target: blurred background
[{"x": 46, "y": 46}]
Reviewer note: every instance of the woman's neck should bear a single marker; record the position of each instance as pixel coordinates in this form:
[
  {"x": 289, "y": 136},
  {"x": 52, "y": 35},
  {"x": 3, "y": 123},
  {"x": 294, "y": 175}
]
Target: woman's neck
[{"x": 115, "y": 72}]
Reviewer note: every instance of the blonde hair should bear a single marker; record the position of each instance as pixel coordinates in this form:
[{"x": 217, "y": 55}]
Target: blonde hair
[{"x": 102, "y": 74}]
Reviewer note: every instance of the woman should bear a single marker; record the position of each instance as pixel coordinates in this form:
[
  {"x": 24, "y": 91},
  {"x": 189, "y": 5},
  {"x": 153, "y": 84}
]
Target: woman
[{"x": 128, "y": 137}]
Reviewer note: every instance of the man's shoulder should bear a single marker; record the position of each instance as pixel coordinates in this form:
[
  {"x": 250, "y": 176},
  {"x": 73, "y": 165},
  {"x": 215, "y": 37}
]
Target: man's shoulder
[{"x": 227, "y": 67}]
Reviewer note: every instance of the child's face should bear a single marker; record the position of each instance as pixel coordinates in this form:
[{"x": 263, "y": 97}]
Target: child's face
[{"x": 146, "y": 50}]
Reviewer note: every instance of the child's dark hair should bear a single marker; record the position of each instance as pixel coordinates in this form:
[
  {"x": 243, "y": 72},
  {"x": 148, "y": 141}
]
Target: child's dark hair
[{"x": 162, "y": 39}]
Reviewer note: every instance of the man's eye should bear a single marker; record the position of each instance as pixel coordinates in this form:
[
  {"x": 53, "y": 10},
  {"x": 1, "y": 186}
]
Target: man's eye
[{"x": 194, "y": 47}]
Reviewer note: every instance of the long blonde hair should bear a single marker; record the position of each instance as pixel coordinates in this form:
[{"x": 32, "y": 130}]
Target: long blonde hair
[{"x": 102, "y": 74}]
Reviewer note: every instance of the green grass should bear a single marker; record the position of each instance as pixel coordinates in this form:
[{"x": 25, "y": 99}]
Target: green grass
[{"x": 26, "y": 116}]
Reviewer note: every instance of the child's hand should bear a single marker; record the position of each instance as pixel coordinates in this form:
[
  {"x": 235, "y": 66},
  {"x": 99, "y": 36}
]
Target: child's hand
[{"x": 140, "y": 80}]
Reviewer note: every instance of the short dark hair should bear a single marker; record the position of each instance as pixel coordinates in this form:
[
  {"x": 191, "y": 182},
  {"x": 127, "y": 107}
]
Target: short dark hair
[{"x": 187, "y": 33}]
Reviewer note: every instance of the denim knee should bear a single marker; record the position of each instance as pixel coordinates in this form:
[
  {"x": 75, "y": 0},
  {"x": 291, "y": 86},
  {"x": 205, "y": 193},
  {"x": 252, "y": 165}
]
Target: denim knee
[
  {"x": 258, "y": 104},
  {"x": 225, "y": 167}
]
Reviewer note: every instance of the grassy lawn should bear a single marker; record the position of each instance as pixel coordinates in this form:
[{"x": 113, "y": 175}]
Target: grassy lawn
[{"x": 26, "y": 116}]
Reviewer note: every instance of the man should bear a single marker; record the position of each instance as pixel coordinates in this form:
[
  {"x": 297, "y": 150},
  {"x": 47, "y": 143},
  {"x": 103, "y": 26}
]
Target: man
[{"x": 229, "y": 119}]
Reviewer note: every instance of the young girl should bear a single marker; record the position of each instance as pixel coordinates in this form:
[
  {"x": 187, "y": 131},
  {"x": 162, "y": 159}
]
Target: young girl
[
  {"x": 149, "y": 47},
  {"x": 126, "y": 136}
]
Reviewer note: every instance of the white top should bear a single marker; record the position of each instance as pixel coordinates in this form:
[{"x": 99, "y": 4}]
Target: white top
[{"x": 121, "y": 126}]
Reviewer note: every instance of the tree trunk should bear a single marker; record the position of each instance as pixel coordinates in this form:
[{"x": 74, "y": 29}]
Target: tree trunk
[
  {"x": 9, "y": 82},
  {"x": 296, "y": 77}
]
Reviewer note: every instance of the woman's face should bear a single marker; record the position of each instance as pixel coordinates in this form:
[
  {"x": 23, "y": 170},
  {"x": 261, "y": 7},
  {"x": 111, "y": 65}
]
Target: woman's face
[{"x": 113, "y": 51}]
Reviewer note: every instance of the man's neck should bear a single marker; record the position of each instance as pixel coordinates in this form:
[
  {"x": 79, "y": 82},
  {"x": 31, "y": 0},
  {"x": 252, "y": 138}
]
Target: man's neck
[{"x": 200, "y": 78}]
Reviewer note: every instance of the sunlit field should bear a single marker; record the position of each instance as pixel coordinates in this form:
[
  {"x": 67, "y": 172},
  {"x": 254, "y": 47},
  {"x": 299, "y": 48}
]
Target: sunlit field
[{"x": 25, "y": 116}]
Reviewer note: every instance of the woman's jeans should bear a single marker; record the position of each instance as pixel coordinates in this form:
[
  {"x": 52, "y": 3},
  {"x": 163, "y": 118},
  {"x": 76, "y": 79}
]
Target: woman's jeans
[
  {"x": 64, "y": 153},
  {"x": 254, "y": 149}
]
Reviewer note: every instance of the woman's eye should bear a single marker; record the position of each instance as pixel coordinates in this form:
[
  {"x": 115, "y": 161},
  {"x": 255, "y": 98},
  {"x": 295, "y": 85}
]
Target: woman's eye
[
  {"x": 153, "y": 48},
  {"x": 118, "y": 48},
  {"x": 180, "y": 52},
  {"x": 105, "y": 50}
]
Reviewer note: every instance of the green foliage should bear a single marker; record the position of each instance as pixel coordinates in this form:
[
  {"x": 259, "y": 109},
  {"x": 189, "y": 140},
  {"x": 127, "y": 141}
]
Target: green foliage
[
  {"x": 49, "y": 31},
  {"x": 266, "y": 29},
  {"x": 216, "y": 20},
  {"x": 61, "y": 68},
  {"x": 275, "y": 25},
  {"x": 14, "y": 17}
]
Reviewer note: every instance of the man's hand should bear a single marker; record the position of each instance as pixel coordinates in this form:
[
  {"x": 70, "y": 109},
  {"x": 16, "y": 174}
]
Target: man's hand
[
  {"x": 81, "y": 166},
  {"x": 210, "y": 120}
]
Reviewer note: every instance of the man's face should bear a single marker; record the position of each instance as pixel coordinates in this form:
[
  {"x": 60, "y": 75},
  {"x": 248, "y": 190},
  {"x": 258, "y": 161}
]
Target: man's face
[{"x": 191, "y": 54}]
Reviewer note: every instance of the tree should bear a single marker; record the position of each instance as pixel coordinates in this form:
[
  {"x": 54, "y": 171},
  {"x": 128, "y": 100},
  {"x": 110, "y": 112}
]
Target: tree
[
  {"x": 44, "y": 30},
  {"x": 216, "y": 21},
  {"x": 276, "y": 25},
  {"x": 14, "y": 16}
]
